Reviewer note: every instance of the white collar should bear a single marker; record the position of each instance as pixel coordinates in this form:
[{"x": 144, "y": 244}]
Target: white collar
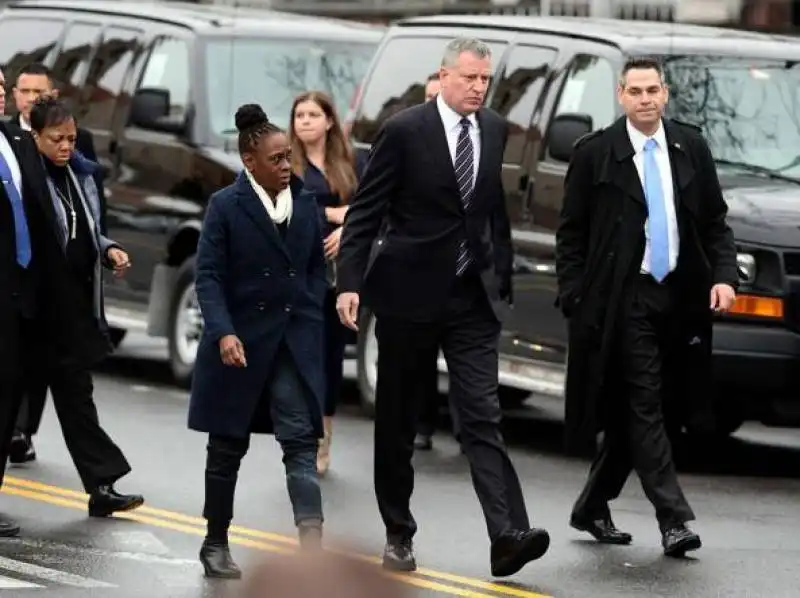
[
  {"x": 450, "y": 118},
  {"x": 638, "y": 139},
  {"x": 280, "y": 210},
  {"x": 24, "y": 124}
]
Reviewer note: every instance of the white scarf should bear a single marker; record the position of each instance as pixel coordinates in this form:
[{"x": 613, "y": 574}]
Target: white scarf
[{"x": 281, "y": 209}]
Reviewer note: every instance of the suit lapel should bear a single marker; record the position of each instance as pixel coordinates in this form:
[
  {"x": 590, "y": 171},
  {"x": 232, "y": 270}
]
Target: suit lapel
[
  {"x": 34, "y": 186},
  {"x": 300, "y": 216},
  {"x": 682, "y": 169},
  {"x": 624, "y": 174},
  {"x": 483, "y": 156},
  {"x": 434, "y": 134},
  {"x": 251, "y": 205}
]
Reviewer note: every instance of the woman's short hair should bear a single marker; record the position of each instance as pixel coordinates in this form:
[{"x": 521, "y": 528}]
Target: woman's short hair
[
  {"x": 252, "y": 122},
  {"x": 48, "y": 111}
]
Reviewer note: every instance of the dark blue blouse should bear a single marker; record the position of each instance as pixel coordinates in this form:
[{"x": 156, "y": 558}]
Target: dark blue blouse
[{"x": 316, "y": 183}]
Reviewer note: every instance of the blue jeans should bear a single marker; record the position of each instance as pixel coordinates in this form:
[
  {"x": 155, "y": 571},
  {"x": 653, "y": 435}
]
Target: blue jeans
[{"x": 294, "y": 431}]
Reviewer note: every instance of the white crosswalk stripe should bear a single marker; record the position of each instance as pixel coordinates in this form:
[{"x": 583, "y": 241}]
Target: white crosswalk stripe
[{"x": 40, "y": 573}]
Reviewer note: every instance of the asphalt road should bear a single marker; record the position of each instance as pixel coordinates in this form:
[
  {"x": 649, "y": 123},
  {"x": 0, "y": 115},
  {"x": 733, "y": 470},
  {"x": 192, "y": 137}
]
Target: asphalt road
[{"x": 746, "y": 495}]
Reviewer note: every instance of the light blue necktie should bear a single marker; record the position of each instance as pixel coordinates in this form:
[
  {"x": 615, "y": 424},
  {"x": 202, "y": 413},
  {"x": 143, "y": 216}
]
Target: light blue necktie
[
  {"x": 656, "y": 214},
  {"x": 21, "y": 234}
]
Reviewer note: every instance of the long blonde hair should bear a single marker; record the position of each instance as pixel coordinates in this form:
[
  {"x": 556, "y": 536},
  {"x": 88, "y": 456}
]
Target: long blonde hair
[{"x": 340, "y": 171}]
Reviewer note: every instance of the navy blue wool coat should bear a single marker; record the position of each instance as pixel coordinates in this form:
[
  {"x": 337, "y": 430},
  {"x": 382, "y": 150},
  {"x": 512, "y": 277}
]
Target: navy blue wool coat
[{"x": 265, "y": 289}]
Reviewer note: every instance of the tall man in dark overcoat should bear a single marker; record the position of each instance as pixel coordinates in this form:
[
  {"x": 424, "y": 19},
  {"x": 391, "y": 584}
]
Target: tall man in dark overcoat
[
  {"x": 644, "y": 257},
  {"x": 440, "y": 276}
]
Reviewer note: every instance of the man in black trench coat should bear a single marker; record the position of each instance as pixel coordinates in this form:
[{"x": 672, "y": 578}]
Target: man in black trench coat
[{"x": 644, "y": 257}]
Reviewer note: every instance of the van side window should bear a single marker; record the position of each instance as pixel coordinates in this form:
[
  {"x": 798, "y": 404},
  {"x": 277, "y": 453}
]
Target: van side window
[
  {"x": 517, "y": 95},
  {"x": 168, "y": 68},
  {"x": 398, "y": 79},
  {"x": 589, "y": 89},
  {"x": 23, "y": 41},
  {"x": 73, "y": 60},
  {"x": 107, "y": 75}
]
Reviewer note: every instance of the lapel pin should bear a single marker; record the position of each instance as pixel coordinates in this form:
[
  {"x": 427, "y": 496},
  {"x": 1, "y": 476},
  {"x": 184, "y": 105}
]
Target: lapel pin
[{"x": 678, "y": 145}]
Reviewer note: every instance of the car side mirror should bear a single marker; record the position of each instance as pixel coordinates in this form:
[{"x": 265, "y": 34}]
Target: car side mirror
[
  {"x": 564, "y": 131},
  {"x": 150, "y": 110}
]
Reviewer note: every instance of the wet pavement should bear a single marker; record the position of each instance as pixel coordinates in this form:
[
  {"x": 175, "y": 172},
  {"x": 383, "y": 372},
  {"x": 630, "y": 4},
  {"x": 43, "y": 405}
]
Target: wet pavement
[{"x": 746, "y": 494}]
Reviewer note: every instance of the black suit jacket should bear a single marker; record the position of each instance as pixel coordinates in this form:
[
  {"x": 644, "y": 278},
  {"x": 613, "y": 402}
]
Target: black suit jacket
[
  {"x": 21, "y": 292},
  {"x": 410, "y": 185}
]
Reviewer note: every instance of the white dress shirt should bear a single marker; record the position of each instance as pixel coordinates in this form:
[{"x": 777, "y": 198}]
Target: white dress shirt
[
  {"x": 638, "y": 139},
  {"x": 452, "y": 127},
  {"x": 13, "y": 165}
]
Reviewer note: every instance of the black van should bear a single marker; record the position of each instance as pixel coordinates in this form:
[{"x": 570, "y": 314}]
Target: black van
[
  {"x": 741, "y": 88},
  {"x": 158, "y": 84}
]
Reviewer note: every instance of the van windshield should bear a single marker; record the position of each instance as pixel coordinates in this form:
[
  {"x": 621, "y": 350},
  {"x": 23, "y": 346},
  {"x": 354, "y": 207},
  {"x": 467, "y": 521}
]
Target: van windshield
[
  {"x": 749, "y": 109},
  {"x": 272, "y": 72}
]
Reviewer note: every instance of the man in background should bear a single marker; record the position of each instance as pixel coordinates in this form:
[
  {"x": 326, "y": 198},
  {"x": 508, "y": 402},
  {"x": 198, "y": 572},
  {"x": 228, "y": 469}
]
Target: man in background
[{"x": 33, "y": 81}]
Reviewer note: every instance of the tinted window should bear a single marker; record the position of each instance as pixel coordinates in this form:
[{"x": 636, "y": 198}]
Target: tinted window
[
  {"x": 73, "y": 59},
  {"x": 518, "y": 93},
  {"x": 398, "y": 81},
  {"x": 748, "y": 108},
  {"x": 23, "y": 41},
  {"x": 107, "y": 75},
  {"x": 168, "y": 68},
  {"x": 589, "y": 88},
  {"x": 272, "y": 72}
]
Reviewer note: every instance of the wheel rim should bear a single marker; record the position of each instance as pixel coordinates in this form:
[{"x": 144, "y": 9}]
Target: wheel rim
[
  {"x": 371, "y": 358},
  {"x": 188, "y": 326}
]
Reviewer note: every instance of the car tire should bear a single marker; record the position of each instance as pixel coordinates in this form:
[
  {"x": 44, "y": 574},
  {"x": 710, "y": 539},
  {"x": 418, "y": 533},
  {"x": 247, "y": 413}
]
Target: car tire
[
  {"x": 185, "y": 325},
  {"x": 367, "y": 362}
]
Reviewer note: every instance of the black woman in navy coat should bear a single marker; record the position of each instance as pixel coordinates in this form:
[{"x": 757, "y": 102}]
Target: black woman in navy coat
[{"x": 260, "y": 366}]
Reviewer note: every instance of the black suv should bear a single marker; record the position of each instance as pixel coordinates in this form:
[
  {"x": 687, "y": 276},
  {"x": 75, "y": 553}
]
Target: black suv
[
  {"x": 158, "y": 85},
  {"x": 555, "y": 80}
]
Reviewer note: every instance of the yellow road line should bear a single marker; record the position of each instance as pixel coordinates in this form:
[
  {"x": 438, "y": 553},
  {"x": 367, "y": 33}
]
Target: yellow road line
[{"x": 252, "y": 538}]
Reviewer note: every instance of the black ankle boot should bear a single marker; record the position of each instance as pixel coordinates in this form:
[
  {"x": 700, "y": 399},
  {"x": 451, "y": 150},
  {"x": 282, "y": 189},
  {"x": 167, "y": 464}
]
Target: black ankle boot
[{"x": 217, "y": 561}]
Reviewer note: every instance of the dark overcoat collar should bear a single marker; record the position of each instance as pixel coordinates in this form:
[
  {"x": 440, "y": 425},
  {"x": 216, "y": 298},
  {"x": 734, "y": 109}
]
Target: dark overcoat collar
[
  {"x": 624, "y": 174},
  {"x": 251, "y": 204}
]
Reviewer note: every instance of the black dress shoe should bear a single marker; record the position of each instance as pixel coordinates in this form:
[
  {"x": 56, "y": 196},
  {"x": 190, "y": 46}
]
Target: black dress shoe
[
  {"x": 8, "y": 527},
  {"x": 423, "y": 442},
  {"x": 603, "y": 530},
  {"x": 21, "y": 449},
  {"x": 105, "y": 501},
  {"x": 218, "y": 562},
  {"x": 398, "y": 555},
  {"x": 678, "y": 540},
  {"x": 512, "y": 551}
]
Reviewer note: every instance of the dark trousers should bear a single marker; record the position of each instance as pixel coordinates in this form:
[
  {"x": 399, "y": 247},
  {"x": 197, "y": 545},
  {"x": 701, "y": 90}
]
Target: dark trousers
[
  {"x": 294, "y": 431},
  {"x": 635, "y": 437},
  {"x": 98, "y": 460},
  {"x": 32, "y": 408},
  {"x": 12, "y": 389},
  {"x": 468, "y": 335},
  {"x": 335, "y": 341},
  {"x": 429, "y": 409}
]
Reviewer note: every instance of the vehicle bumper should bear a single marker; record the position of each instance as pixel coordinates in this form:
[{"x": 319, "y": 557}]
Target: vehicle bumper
[{"x": 760, "y": 365}]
